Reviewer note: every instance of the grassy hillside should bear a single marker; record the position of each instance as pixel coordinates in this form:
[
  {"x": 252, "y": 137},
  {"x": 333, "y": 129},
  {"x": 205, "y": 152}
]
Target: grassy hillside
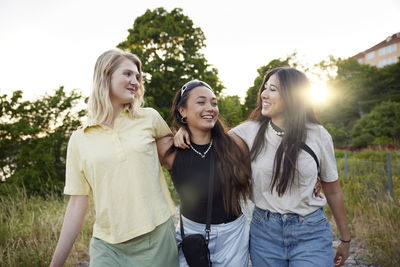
[
  {"x": 373, "y": 215},
  {"x": 30, "y": 226}
]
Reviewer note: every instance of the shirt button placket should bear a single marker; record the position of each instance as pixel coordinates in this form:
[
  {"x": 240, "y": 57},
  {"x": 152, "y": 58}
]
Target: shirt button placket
[{"x": 120, "y": 151}]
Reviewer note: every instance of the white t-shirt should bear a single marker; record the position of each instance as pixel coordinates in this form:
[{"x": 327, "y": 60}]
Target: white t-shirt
[{"x": 300, "y": 198}]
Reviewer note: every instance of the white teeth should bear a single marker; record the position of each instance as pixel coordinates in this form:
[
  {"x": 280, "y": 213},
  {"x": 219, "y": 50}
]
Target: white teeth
[{"x": 207, "y": 117}]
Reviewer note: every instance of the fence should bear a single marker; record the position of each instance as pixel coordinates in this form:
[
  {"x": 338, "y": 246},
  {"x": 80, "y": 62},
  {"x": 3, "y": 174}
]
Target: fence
[{"x": 381, "y": 170}]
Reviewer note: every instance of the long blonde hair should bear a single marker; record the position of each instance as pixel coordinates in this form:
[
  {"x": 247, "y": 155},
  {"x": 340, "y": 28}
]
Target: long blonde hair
[{"x": 100, "y": 109}]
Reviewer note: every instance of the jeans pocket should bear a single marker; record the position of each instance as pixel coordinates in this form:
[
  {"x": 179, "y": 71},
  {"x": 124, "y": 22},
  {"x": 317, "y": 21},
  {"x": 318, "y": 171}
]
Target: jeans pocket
[
  {"x": 258, "y": 217},
  {"x": 316, "y": 218}
]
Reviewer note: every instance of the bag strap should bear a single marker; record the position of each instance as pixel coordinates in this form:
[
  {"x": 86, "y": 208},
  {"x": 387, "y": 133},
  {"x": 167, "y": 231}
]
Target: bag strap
[
  {"x": 180, "y": 221},
  {"x": 308, "y": 149},
  {"x": 210, "y": 196},
  {"x": 210, "y": 200}
]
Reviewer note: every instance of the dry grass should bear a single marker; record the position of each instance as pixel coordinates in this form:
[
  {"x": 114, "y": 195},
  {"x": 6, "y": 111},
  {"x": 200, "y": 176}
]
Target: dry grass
[
  {"x": 373, "y": 215},
  {"x": 30, "y": 227}
]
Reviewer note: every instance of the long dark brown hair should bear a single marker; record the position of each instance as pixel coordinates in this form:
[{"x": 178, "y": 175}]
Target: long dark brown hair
[
  {"x": 293, "y": 87},
  {"x": 233, "y": 169}
]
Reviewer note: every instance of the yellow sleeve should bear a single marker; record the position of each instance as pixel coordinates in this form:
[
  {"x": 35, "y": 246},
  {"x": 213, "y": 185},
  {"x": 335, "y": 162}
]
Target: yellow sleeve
[
  {"x": 160, "y": 127},
  {"x": 75, "y": 180}
]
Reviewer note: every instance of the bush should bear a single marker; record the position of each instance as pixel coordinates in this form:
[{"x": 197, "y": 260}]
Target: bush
[
  {"x": 338, "y": 133},
  {"x": 379, "y": 126},
  {"x": 362, "y": 140},
  {"x": 382, "y": 140}
]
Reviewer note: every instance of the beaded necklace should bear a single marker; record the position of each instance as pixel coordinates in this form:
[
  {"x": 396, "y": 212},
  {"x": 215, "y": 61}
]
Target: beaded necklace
[
  {"x": 203, "y": 155},
  {"x": 278, "y": 131}
]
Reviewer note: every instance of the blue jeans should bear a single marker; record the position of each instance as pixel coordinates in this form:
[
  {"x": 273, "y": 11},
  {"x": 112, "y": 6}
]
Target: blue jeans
[{"x": 290, "y": 239}]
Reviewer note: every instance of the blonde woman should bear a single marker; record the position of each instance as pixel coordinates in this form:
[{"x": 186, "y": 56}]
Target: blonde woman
[{"x": 114, "y": 157}]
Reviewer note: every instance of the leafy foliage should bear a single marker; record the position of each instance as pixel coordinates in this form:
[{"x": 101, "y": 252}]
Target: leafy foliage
[
  {"x": 169, "y": 45},
  {"x": 338, "y": 133},
  {"x": 380, "y": 126},
  {"x": 357, "y": 89},
  {"x": 352, "y": 89},
  {"x": 33, "y": 138},
  {"x": 230, "y": 110}
]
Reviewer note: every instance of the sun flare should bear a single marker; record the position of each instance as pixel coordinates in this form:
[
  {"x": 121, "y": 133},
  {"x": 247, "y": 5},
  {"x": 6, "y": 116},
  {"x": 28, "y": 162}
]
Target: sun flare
[{"x": 319, "y": 92}]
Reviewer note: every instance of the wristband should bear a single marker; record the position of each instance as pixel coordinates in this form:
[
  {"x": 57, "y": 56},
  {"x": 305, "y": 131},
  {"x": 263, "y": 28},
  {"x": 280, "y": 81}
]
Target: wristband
[{"x": 345, "y": 241}]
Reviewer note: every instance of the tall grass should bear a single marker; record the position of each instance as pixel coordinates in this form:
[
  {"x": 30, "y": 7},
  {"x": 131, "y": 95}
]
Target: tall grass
[
  {"x": 30, "y": 227},
  {"x": 373, "y": 215}
]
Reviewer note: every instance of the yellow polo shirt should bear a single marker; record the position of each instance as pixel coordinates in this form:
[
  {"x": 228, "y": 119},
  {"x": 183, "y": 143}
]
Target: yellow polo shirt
[{"x": 120, "y": 167}]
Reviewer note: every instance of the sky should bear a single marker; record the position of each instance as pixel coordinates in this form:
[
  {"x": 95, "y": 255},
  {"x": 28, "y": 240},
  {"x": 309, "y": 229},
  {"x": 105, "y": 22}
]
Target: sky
[{"x": 45, "y": 44}]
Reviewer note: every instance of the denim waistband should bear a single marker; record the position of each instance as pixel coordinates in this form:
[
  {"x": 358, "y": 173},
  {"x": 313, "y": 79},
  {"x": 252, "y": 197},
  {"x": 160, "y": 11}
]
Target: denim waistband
[{"x": 286, "y": 216}]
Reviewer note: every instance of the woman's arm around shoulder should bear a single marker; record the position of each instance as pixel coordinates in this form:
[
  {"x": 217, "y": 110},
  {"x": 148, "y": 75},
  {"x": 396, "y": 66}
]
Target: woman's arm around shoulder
[
  {"x": 182, "y": 138},
  {"x": 246, "y": 132},
  {"x": 73, "y": 220}
]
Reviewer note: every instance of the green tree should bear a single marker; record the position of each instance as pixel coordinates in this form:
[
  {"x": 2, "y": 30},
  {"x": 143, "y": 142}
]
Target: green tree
[
  {"x": 388, "y": 83},
  {"x": 380, "y": 126},
  {"x": 33, "y": 140},
  {"x": 356, "y": 90},
  {"x": 169, "y": 46},
  {"x": 230, "y": 110},
  {"x": 338, "y": 133}
]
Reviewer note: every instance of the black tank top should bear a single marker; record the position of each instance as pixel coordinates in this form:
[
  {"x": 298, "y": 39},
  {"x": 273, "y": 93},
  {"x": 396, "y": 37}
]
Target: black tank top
[{"x": 190, "y": 175}]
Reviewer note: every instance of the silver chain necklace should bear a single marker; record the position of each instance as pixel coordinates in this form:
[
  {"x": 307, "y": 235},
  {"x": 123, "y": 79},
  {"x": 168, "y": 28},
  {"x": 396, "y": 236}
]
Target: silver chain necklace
[
  {"x": 278, "y": 133},
  {"x": 203, "y": 155}
]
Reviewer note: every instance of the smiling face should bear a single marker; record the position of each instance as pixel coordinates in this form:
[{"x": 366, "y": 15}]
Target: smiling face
[
  {"x": 124, "y": 83},
  {"x": 272, "y": 102},
  {"x": 201, "y": 110}
]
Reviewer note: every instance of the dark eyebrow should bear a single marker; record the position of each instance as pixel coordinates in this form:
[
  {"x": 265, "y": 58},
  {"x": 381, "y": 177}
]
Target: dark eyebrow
[{"x": 214, "y": 98}]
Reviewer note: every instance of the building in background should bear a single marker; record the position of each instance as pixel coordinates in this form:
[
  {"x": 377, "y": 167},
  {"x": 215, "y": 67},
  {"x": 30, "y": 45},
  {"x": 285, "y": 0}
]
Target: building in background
[{"x": 385, "y": 53}]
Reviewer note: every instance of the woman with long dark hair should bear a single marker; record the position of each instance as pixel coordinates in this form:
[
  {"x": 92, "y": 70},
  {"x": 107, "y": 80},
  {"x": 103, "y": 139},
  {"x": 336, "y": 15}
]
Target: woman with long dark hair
[
  {"x": 195, "y": 108},
  {"x": 289, "y": 150}
]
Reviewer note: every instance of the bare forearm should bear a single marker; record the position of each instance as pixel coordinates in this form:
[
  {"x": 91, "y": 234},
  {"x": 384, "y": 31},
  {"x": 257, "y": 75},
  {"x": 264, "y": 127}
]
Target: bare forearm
[
  {"x": 73, "y": 220},
  {"x": 335, "y": 199},
  {"x": 163, "y": 145}
]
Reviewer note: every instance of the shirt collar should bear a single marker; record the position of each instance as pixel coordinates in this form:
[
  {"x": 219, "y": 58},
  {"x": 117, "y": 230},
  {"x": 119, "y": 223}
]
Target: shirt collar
[{"x": 89, "y": 124}]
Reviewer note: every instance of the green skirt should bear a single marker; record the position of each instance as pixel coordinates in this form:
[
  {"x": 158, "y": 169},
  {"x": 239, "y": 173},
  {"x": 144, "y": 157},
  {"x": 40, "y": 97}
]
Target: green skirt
[{"x": 157, "y": 248}]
